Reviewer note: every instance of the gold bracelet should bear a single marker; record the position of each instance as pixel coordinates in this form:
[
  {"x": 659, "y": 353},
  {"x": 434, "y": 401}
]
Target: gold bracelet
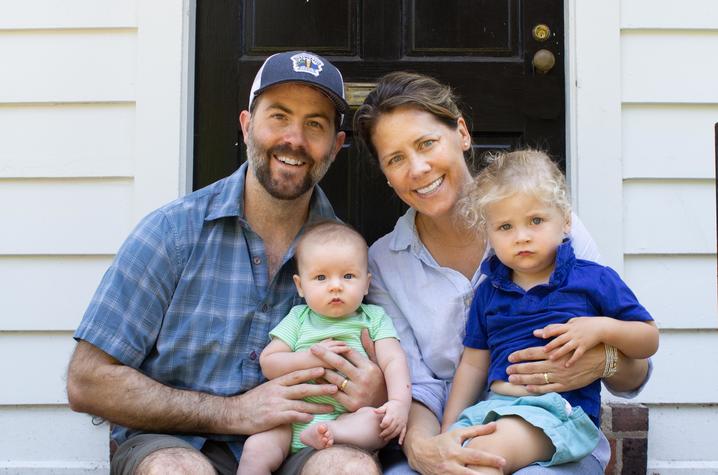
[{"x": 611, "y": 365}]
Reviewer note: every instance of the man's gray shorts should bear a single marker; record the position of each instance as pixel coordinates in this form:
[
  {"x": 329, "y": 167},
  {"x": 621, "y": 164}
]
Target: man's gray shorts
[{"x": 135, "y": 449}]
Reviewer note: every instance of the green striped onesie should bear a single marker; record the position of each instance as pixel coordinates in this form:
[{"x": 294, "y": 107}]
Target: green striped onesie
[{"x": 302, "y": 328}]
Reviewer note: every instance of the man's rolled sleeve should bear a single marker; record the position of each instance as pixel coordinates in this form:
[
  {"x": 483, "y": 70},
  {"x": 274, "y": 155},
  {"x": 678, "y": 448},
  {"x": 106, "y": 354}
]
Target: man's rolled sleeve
[{"x": 125, "y": 314}]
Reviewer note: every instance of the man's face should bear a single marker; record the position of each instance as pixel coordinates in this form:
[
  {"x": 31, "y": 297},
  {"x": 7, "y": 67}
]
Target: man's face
[{"x": 291, "y": 139}]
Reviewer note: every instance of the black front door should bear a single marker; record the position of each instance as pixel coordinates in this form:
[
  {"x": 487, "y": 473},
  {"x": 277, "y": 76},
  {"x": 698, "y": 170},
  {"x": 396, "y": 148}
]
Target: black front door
[{"x": 484, "y": 49}]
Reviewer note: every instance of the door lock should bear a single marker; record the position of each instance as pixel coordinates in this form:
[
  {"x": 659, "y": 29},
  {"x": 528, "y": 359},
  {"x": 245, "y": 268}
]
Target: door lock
[{"x": 541, "y": 32}]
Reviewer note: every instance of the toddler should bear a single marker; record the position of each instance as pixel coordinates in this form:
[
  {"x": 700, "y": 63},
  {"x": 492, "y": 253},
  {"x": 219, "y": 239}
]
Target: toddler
[
  {"x": 535, "y": 288},
  {"x": 333, "y": 279}
]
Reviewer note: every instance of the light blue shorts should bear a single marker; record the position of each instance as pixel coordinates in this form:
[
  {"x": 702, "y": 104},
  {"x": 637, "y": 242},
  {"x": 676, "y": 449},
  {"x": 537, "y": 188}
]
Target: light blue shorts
[{"x": 570, "y": 429}]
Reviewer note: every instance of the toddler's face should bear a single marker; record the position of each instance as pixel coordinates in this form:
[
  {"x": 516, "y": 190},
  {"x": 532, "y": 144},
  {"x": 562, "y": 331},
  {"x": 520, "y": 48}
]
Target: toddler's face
[
  {"x": 333, "y": 277},
  {"x": 525, "y": 232}
]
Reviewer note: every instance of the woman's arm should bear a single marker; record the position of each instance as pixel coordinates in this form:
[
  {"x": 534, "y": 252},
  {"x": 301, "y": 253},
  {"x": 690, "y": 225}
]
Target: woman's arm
[{"x": 426, "y": 387}]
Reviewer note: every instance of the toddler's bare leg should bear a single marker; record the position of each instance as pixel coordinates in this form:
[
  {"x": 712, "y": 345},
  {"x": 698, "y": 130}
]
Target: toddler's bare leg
[
  {"x": 360, "y": 428},
  {"x": 515, "y": 440},
  {"x": 265, "y": 451}
]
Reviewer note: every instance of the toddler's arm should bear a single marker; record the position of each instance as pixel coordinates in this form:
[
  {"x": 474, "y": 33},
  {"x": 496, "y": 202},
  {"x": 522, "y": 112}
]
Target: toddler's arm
[
  {"x": 468, "y": 383},
  {"x": 635, "y": 339},
  {"x": 392, "y": 361},
  {"x": 278, "y": 359}
]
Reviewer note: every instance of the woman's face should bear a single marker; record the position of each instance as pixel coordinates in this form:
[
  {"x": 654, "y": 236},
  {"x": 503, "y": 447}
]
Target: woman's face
[{"x": 423, "y": 159}]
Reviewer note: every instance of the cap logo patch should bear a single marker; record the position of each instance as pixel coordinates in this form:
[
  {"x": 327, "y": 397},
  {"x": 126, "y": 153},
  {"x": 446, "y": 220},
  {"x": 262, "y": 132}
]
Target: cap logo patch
[{"x": 307, "y": 63}]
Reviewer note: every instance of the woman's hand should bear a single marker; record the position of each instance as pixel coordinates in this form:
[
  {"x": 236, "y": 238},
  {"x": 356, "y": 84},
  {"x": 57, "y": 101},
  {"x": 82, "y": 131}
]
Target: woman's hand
[
  {"x": 532, "y": 368},
  {"x": 444, "y": 454}
]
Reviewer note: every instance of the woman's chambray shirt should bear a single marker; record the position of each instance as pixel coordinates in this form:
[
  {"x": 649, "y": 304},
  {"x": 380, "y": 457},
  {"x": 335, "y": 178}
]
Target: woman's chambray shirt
[
  {"x": 187, "y": 300},
  {"x": 429, "y": 305}
]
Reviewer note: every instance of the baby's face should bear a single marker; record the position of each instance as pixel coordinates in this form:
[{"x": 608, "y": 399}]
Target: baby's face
[
  {"x": 333, "y": 277},
  {"x": 525, "y": 232}
]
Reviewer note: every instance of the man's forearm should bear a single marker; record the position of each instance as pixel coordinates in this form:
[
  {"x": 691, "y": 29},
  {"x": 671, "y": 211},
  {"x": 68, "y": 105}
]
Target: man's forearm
[{"x": 99, "y": 385}]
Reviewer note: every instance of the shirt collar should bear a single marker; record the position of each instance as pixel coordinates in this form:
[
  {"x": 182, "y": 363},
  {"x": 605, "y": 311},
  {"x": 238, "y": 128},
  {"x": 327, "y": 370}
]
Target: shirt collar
[
  {"x": 404, "y": 232},
  {"x": 228, "y": 199},
  {"x": 500, "y": 275}
]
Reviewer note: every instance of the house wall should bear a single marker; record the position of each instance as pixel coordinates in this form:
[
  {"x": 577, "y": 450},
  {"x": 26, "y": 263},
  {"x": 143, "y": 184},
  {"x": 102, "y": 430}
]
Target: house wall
[
  {"x": 91, "y": 127},
  {"x": 94, "y": 97},
  {"x": 644, "y": 173}
]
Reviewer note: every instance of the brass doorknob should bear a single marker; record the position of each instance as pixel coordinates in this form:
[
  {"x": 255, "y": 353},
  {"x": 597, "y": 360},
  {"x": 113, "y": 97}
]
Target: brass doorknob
[{"x": 543, "y": 61}]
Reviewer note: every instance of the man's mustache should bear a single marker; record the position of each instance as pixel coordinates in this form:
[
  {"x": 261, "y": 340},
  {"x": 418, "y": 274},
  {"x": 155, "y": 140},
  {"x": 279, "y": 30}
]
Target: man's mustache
[{"x": 289, "y": 151}]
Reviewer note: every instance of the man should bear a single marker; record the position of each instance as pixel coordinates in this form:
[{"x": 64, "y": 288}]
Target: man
[{"x": 168, "y": 348}]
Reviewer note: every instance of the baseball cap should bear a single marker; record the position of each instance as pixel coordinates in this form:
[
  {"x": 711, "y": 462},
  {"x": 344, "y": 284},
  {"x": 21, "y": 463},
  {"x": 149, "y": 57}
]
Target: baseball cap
[{"x": 304, "y": 67}]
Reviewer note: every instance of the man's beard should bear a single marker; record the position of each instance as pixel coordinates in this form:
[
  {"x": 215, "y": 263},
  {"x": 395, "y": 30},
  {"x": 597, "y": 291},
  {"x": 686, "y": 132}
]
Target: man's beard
[{"x": 284, "y": 188}]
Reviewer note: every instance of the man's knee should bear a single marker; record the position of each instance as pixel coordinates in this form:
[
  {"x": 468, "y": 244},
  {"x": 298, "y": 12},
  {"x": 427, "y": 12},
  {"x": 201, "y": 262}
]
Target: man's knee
[
  {"x": 341, "y": 460},
  {"x": 175, "y": 460}
]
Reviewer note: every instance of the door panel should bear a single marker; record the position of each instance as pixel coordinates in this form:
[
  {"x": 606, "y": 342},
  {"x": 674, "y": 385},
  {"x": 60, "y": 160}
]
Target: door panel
[{"x": 482, "y": 48}]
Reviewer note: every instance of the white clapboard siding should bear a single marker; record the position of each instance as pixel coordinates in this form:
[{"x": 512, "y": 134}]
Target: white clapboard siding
[
  {"x": 47, "y": 14},
  {"x": 47, "y": 292},
  {"x": 669, "y": 217},
  {"x": 684, "y": 369},
  {"x": 65, "y": 216},
  {"x": 669, "y": 140},
  {"x": 51, "y": 439},
  {"x": 26, "y": 355},
  {"x": 68, "y": 65},
  {"x": 682, "y": 433},
  {"x": 67, "y": 140},
  {"x": 686, "y": 14},
  {"x": 669, "y": 66},
  {"x": 678, "y": 290}
]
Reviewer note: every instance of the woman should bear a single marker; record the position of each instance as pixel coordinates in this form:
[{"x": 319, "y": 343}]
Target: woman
[{"x": 425, "y": 271}]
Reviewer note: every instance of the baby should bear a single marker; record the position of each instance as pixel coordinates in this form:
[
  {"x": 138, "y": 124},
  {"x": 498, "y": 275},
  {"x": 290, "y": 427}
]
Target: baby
[
  {"x": 333, "y": 279},
  {"x": 534, "y": 282}
]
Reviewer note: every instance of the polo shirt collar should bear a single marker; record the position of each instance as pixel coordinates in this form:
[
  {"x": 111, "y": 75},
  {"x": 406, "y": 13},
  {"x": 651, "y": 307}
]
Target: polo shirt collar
[
  {"x": 500, "y": 275},
  {"x": 228, "y": 199}
]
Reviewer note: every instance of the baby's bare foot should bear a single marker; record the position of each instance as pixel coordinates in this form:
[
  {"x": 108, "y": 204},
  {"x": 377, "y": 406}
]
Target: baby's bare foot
[{"x": 317, "y": 436}]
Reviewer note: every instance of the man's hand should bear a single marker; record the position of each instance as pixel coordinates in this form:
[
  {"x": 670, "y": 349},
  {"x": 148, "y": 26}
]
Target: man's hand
[
  {"x": 278, "y": 402},
  {"x": 578, "y": 335},
  {"x": 365, "y": 382}
]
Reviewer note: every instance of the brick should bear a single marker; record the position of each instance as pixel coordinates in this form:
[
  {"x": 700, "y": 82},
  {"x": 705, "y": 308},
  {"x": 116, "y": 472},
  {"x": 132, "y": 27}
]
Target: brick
[
  {"x": 635, "y": 456},
  {"x": 611, "y": 468},
  {"x": 629, "y": 417}
]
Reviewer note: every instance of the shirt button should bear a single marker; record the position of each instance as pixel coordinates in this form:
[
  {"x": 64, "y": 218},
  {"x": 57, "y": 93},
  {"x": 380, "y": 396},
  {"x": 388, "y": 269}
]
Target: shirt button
[
  {"x": 257, "y": 261},
  {"x": 253, "y": 355},
  {"x": 265, "y": 307}
]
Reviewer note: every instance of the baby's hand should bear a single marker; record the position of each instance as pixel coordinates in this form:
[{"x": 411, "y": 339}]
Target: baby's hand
[
  {"x": 396, "y": 415},
  {"x": 334, "y": 346},
  {"x": 579, "y": 335}
]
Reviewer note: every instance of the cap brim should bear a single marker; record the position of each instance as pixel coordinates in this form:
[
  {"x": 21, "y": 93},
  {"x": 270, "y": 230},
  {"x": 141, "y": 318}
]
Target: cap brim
[{"x": 340, "y": 104}]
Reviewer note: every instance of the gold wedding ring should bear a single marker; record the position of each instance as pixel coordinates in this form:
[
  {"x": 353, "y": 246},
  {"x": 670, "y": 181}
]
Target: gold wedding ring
[
  {"x": 344, "y": 384},
  {"x": 545, "y": 378}
]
